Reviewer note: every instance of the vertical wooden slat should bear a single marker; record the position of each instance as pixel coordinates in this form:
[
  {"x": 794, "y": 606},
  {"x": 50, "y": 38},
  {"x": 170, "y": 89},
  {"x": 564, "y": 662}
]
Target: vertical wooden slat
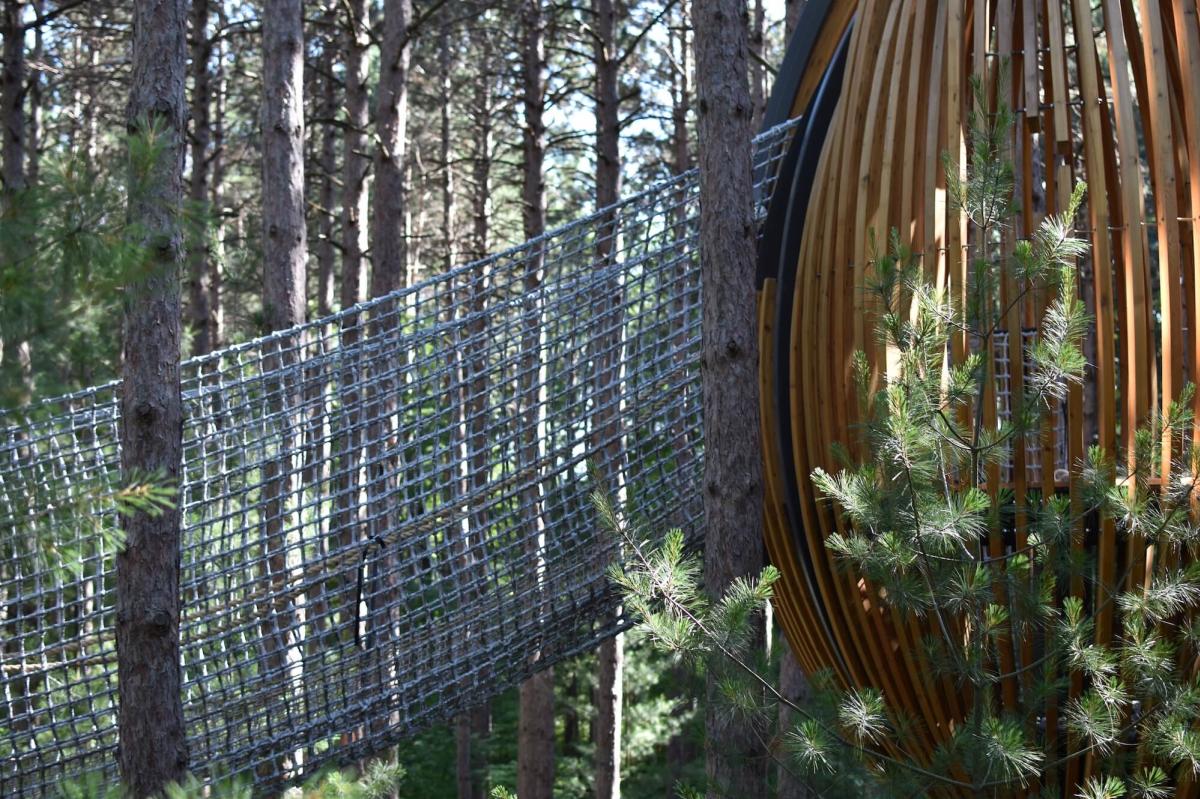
[
  {"x": 1029, "y": 61},
  {"x": 1136, "y": 331},
  {"x": 1058, "y": 68},
  {"x": 864, "y": 160},
  {"x": 1160, "y": 150},
  {"x": 1097, "y": 203},
  {"x": 999, "y": 82},
  {"x": 955, "y": 272},
  {"x": 1187, "y": 33}
]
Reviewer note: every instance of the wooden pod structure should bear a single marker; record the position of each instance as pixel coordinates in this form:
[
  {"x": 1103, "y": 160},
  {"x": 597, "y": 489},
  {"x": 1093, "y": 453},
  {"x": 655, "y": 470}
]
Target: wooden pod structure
[{"x": 1105, "y": 91}]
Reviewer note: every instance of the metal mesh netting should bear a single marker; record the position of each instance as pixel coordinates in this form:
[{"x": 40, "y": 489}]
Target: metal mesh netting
[
  {"x": 1002, "y": 366},
  {"x": 385, "y": 512}
]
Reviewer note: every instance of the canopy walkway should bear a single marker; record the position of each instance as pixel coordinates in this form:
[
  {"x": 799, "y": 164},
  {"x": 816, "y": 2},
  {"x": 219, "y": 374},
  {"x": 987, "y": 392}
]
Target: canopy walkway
[{"x": 385, "y": 512}]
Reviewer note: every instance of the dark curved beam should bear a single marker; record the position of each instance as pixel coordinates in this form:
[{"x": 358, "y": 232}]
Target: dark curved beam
[{"x": 779, "y": 249}]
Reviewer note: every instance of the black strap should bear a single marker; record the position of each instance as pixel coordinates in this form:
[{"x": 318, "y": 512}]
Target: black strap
[{"x": 362, "y": 562}]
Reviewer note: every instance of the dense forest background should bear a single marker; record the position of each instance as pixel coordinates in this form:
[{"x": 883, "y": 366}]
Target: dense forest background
[
  {"x": 67, "y": 89},
  {"x": 608, "y": 89}
]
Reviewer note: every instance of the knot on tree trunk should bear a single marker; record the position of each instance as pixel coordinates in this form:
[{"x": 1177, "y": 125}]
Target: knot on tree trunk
[{"x": 145, "y": 412}]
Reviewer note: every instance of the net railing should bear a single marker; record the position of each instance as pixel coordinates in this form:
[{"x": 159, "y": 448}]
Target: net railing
[{"x": 386, "y": 513}]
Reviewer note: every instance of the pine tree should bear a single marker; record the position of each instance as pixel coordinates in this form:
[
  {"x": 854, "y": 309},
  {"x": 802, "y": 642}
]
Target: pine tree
[
  {"x": 536, "y": 727},
  {"x": 203, "y": 264},
  {"x": 153, "y": 747},
  {"x": 732, "y": 492},
  {"x": 389, "y": 211},
  {"x": 606, "y": 437},
  {"x": 925, "y": 524},
  {"x": 285, "y": 251},
  {"x": 15, "y": 351}
]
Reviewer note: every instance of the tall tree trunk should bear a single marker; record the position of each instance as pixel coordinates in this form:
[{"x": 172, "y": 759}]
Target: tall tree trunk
[
  {"x": 481, "y": 151},
  {"x": 16, "y": 372},
  {"x": 200, "y": 277},
  {"x": 792, "y": 9},
  {"x": 16, "y": 362},
  {"x": 327, "y": 161},
  {"x": 680, "y": 748},
  {"x": 318, "y": 399},
  {"x": 389, "y": 229},
  {"x": 356, "y": 159},
  {"x": 284, "y": 234},
  {"x": 684, "y": 280},
  {"x": 535, "y": 752},
  {"x": 89, "y": 122},
  {"x": 476, "y": 382},
  {"x": 388, "y": 244},
  {"x": 356, "y": 165},
  {"x": 36, "y": 97},
  {"x": 606, "y": 422},
  {"x": 445, "y": 151},
  {"x": 218, "y": 161},
  {"x": 284, "y": 260},
  {"x": 736, "y": 760},
  {"x": 535, "y": 729},
  {"x": 153, "y": 748},
  {"x": 681, "y": 96},
  {"x": 389, "y": 273},
  {"x": 472, "y": 398},
  {"x": 12, "y": 96},
  {"x": 471, "y": 727},
  {"x": 757, "y": 73}
]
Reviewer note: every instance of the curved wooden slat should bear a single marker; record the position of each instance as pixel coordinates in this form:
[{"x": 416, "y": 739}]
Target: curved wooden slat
[{"x": 1110, "y": 95}]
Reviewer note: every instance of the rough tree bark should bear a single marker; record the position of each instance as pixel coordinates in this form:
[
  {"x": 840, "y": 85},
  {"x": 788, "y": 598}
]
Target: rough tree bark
[
  {"x": 758, "y": 98},
  {"x": 471, "y": 727},
  {"x": 681, "y": 161},
  {"x": 202, "y": 264},
  {"x": 16, "y": 363},
  {"x": 317, "y": 388},
  {"x": 606, "y": 424},
  {"x": 356, "y": 159},
  {"x": 735, "y": 758},
  {"x": 284, "y": 234},
  {"x": 12, "y": 96},
  {"x": 680, "y": 747},
  {"x": 356, "y": 166},
  {"x": 327, "y": 160},
  {"x": 388, "y": 212},
  {"x": 388, "y": 244},
  {"x": 153, "y": 749},
  {"x": 681, "y": 94},
  {"x": 36, "y": 97},
  {"x": 472, "y": 402},
  {"x": 535, "y": 730},
  {"x": 791, "y": 18},
  {"x": 217, "y": 167},
  {"x": 284, "y": 260},
  {"x": 88, "y": 123},
  {"x": 389, "y": 273}
]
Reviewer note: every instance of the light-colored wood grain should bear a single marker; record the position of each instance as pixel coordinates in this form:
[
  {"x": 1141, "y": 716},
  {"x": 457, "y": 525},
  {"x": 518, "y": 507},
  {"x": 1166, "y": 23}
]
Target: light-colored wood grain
[{"x": 1110, "y": 95}]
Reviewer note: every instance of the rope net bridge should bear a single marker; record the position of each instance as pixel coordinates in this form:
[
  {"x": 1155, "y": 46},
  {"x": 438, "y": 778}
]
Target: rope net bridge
[{"x": 385, "y": 512}]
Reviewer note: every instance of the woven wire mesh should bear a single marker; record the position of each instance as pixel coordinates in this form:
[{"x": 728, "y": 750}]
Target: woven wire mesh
[
  {"x": 385, "y": 512},
  {"x": 1002, "y": 362}
]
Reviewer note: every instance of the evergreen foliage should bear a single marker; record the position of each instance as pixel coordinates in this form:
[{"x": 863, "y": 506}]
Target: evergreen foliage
[
  {"x": 380, "y": 780},
  {"x": 69, "y": 249},
  {"x": 933, "y": 532}
]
